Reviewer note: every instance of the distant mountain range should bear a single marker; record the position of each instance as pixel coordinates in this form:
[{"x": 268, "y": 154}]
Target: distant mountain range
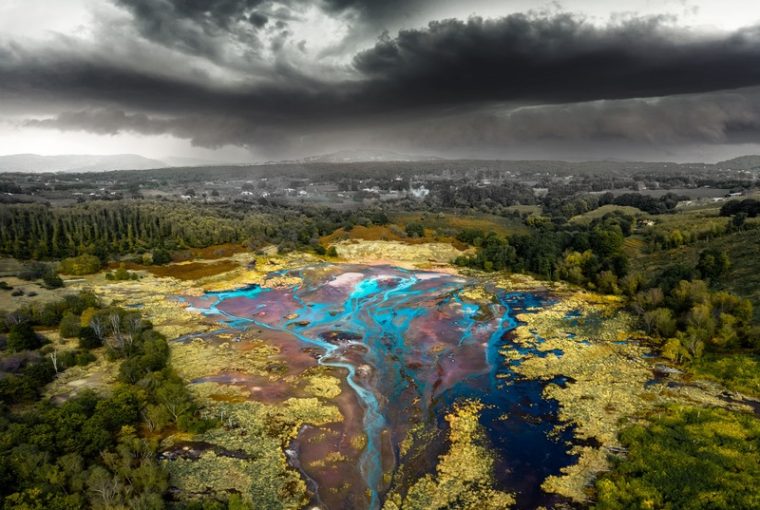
[
  {"x": 365, "y": 155},
  {"x": 34, "y": 163}
]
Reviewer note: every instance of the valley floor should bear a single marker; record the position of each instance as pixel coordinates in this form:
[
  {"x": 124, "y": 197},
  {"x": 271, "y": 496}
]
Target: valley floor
[{"x": 531, "y": 410}]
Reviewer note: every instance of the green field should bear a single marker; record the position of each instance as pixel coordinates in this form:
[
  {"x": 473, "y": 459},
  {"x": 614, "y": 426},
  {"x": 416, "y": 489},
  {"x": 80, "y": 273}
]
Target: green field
[
  {"x": 586, "y": 218},
  {"x": 453, "y": 223}
]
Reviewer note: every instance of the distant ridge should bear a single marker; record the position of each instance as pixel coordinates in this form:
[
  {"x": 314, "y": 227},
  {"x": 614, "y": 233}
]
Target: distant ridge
[
  {"x": 365, "y": 155},
  {"x": 35, "y": 163},
  {"x": 741, "y": 163}
]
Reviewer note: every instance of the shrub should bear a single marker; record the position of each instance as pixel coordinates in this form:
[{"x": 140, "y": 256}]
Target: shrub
[
  {"x": 52, "y": 280},
  {"x": 81, "y": 265},
  {"x": 34, "y": 271},
  {"x": 161, "y": 256},
  {"x": 88, "y": 339},
  {"x": 712, "y": 263},
  {"x": 415, "y": 230},
  {"x": 85, "y": 358},
  {"x": 22, "y": 337},
  {"x": 69, "y": 327}
]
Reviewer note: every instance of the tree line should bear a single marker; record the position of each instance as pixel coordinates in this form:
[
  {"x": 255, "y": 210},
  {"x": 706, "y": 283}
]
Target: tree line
[
  {"x": 104, "y": 229},
  {"x": 93, "y": 450}
]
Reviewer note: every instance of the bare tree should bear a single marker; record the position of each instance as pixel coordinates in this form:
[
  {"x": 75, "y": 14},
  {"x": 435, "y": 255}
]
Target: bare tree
[
  {"x": 54, "y": 358},
  {"x": 105, "y": 486},
  {"x": 115, "y": 320},
  {"x": 98, "y": 326},
  {"x": 133, "y": 329}
]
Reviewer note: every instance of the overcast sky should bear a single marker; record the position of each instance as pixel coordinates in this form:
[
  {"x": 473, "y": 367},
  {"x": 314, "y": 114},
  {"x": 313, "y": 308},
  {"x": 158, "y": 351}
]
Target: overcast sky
[{"x": 255, "y": 80}]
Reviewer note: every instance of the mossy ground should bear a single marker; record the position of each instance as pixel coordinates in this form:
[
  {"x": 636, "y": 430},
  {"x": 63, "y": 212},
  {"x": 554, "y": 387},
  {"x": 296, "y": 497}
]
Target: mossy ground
[{"x": 612, "y": 385}]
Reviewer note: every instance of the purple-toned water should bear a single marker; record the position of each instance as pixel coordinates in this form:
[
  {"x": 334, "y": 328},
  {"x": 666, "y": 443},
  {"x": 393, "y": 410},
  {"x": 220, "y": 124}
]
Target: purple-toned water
[{"x": 408, "y": 345}]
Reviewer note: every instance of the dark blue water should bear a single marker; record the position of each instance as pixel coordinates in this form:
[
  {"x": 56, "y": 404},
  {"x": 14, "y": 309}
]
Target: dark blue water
[{"x": 519, "y": 422}]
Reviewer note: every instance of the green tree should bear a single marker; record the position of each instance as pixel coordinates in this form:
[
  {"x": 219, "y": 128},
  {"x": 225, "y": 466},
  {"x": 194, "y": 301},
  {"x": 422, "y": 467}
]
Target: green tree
[
  {"x": 661, "y": 322},
  {"x": 161, "y": 257},
  {"x": 415, "y": 229},
  {"x": 69, "y": 327},
  {"x": 81, "y": 265},
  {"x": 688, "y": 458},
  {"x": 89, "y": 339},
  {"x": 22, "y": 337},
  {"x": 712, "y": 263},
  {"x": 52, "y": 280}
]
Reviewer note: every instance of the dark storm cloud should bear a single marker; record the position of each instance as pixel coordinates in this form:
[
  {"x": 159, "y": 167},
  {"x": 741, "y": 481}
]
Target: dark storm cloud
[
  {"x": 449, "y": 66},
  {"x": 78, "y": 81},
  {"x": 258, "y": 20},
  {"x": 715, "y": 118},
  {"x": 193, "y": 26},
  {"x": 720, "y": 117},
  {"x": 555, "y": 59}
]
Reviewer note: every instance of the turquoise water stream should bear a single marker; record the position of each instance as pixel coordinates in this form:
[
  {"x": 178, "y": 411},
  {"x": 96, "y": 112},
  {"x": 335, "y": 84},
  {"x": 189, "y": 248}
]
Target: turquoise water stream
[{"x": 423, "y": 344}]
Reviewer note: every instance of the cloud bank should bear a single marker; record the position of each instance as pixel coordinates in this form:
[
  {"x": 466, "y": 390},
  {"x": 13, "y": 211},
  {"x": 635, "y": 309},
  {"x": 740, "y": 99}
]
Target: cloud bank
[{"x": 255, "y": 73}]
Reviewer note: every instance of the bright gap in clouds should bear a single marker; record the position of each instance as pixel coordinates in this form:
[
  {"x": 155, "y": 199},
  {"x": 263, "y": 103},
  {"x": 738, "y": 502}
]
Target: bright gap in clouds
[
  {"x": 162, "y": 147},
  {"x": 39, "y": 19}
]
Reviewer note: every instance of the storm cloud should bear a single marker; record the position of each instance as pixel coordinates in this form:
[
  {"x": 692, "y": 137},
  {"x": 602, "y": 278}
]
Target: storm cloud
[
  {"x": 561, "y": 58},
  {"x": 478, "y": 82}
]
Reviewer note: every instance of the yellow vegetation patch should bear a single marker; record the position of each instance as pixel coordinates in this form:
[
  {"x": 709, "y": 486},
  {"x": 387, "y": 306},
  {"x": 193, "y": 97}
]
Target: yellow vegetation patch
[
  {"x": 359, "y": 441},
  {"x": 200, "y": 358},
  {"x": 463, "y": 477},
  {"x": 211, "y": 391},
  {"x": 331, "y": 459},
  {"x": 323, "y": 386},
  {"x": 476, "y": 293},
  {"x": 391, "y": 251},
  {"x": 258, "y": 433}
]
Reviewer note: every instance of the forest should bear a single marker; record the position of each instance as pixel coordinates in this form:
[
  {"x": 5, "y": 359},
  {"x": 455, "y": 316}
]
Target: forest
[
  {"x": 106, "y": 229},
  {"x": 91, "y": 450}
]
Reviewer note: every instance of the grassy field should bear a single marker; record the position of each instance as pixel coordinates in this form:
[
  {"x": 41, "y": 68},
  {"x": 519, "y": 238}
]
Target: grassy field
[
  {"x": 586, "y": 218},
  {"x": 382, "y": 233},
  {"x": 33, "y": 293},
  {"x": 9, "y": 267},
  {"x": 438, "y": 228},
  {"x": 216, "y": 251},
  {"x": 452, "y": 223}
]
